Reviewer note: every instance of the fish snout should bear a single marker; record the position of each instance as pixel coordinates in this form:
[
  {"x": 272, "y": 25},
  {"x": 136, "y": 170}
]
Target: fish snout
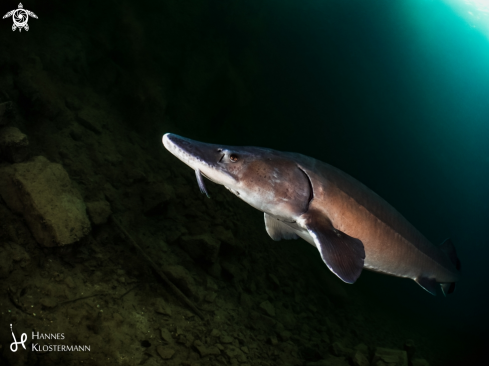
[
  {"x": 189, "y": 151},
  {"x": 202, "y": 157}
]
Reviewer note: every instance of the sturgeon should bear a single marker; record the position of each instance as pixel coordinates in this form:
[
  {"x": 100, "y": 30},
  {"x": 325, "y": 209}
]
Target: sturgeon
[{"x": 301, "y": 197}]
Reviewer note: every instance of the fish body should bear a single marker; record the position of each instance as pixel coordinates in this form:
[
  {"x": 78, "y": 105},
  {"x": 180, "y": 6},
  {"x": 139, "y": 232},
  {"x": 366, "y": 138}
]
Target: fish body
[{"x": 351, "y": 226}]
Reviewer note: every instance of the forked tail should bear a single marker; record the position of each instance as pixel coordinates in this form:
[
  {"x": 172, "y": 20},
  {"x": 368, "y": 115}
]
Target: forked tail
[{"x": 449, "y": 249}]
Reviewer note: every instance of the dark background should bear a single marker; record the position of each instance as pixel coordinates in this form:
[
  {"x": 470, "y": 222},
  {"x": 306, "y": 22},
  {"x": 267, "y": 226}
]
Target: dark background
[{"x": 395, "y": 94}]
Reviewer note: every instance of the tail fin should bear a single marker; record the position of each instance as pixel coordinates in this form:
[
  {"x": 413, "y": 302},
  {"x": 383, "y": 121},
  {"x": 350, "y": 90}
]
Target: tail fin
[{"x": 449, "y": 249}]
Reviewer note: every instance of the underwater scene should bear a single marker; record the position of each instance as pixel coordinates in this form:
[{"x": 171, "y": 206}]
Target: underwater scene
[{"x": 244, "y": 182}]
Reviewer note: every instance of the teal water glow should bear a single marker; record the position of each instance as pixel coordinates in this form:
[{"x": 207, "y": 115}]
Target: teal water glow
[{"x": 475, "y": 12}]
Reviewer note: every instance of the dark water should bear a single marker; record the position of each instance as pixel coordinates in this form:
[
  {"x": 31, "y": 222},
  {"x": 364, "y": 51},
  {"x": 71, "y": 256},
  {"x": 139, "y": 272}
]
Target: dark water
[{"x": 395, "y": 94}]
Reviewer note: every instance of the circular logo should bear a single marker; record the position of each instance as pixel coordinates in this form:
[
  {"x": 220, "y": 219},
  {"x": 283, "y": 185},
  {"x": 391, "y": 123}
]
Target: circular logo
[{"x": 20, "y": 18}]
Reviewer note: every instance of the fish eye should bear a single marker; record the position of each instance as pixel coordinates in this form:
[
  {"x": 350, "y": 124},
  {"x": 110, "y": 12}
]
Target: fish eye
[
  {"x": 233, "y": 158},
  {"x": 219, "y": 150}
]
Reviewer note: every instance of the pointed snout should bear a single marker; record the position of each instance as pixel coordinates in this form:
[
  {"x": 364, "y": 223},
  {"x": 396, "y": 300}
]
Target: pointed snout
[
  {"x": 172, "y": 141},
  {"x": 195, "y": 154},
  {"x": 187, "y": 150},
  {"x": 198, "y": 155},
  {"x": 167, "y": 140}
]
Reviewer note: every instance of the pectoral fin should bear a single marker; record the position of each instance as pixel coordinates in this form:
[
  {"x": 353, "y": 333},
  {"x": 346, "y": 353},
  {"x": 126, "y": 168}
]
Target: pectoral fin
[
  {"x": 278, "y": 230},
  {"x": 343, "y": 254}
]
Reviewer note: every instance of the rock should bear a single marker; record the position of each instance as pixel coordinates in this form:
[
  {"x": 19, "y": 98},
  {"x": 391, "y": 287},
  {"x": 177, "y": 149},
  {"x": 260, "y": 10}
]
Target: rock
[
  {"x": 225, "y": 339},
  {"x": 43, "y": 193},
  {"x": 339, "y": 350},
  {"x": 48, "y": 302},
  {"x": 206, "y": 351},
  {"x": 165, "y": 352},
  {"x": 187, "y": 340},
  {"x": 166, "y": 335},
  {"x": 11, "y": 136},
  {"x": 203, "y": 246},
  {"x": 162, "y": 307},
  {"x": 200, "y": 348},
  {"x": 235, "y": 352},
  {"x": 360, "y": 359},
  {"x": 389, "y": 357},
  {"x": 182, "y": 279},
  {"x": 227, "y": 239},
  {"x": 18, "y": 254},
  {"x": 215, "y": 333},
  {"x": 99, "y": 211},
  {"x": 69, "y": 282},
  {"x": 13, "y": 145},
  {"x": 287, "y": 318},
  {"x": 262, "y": 320},
  {"x": 420, "y": 362},
  {"x": 213, "y": 350},
  {"x": 268, "y": 308}
]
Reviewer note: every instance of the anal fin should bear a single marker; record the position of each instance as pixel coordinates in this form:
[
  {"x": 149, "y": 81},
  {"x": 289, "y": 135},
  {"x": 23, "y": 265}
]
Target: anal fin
[{"x": 429, "y": 284}]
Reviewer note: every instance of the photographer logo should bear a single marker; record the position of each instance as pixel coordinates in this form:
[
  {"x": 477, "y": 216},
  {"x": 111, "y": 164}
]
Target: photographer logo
[
  {"x": 20, "y": 17},
  {"x": 14, "y": 345},
  {"x": 36, "y": 347}
]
